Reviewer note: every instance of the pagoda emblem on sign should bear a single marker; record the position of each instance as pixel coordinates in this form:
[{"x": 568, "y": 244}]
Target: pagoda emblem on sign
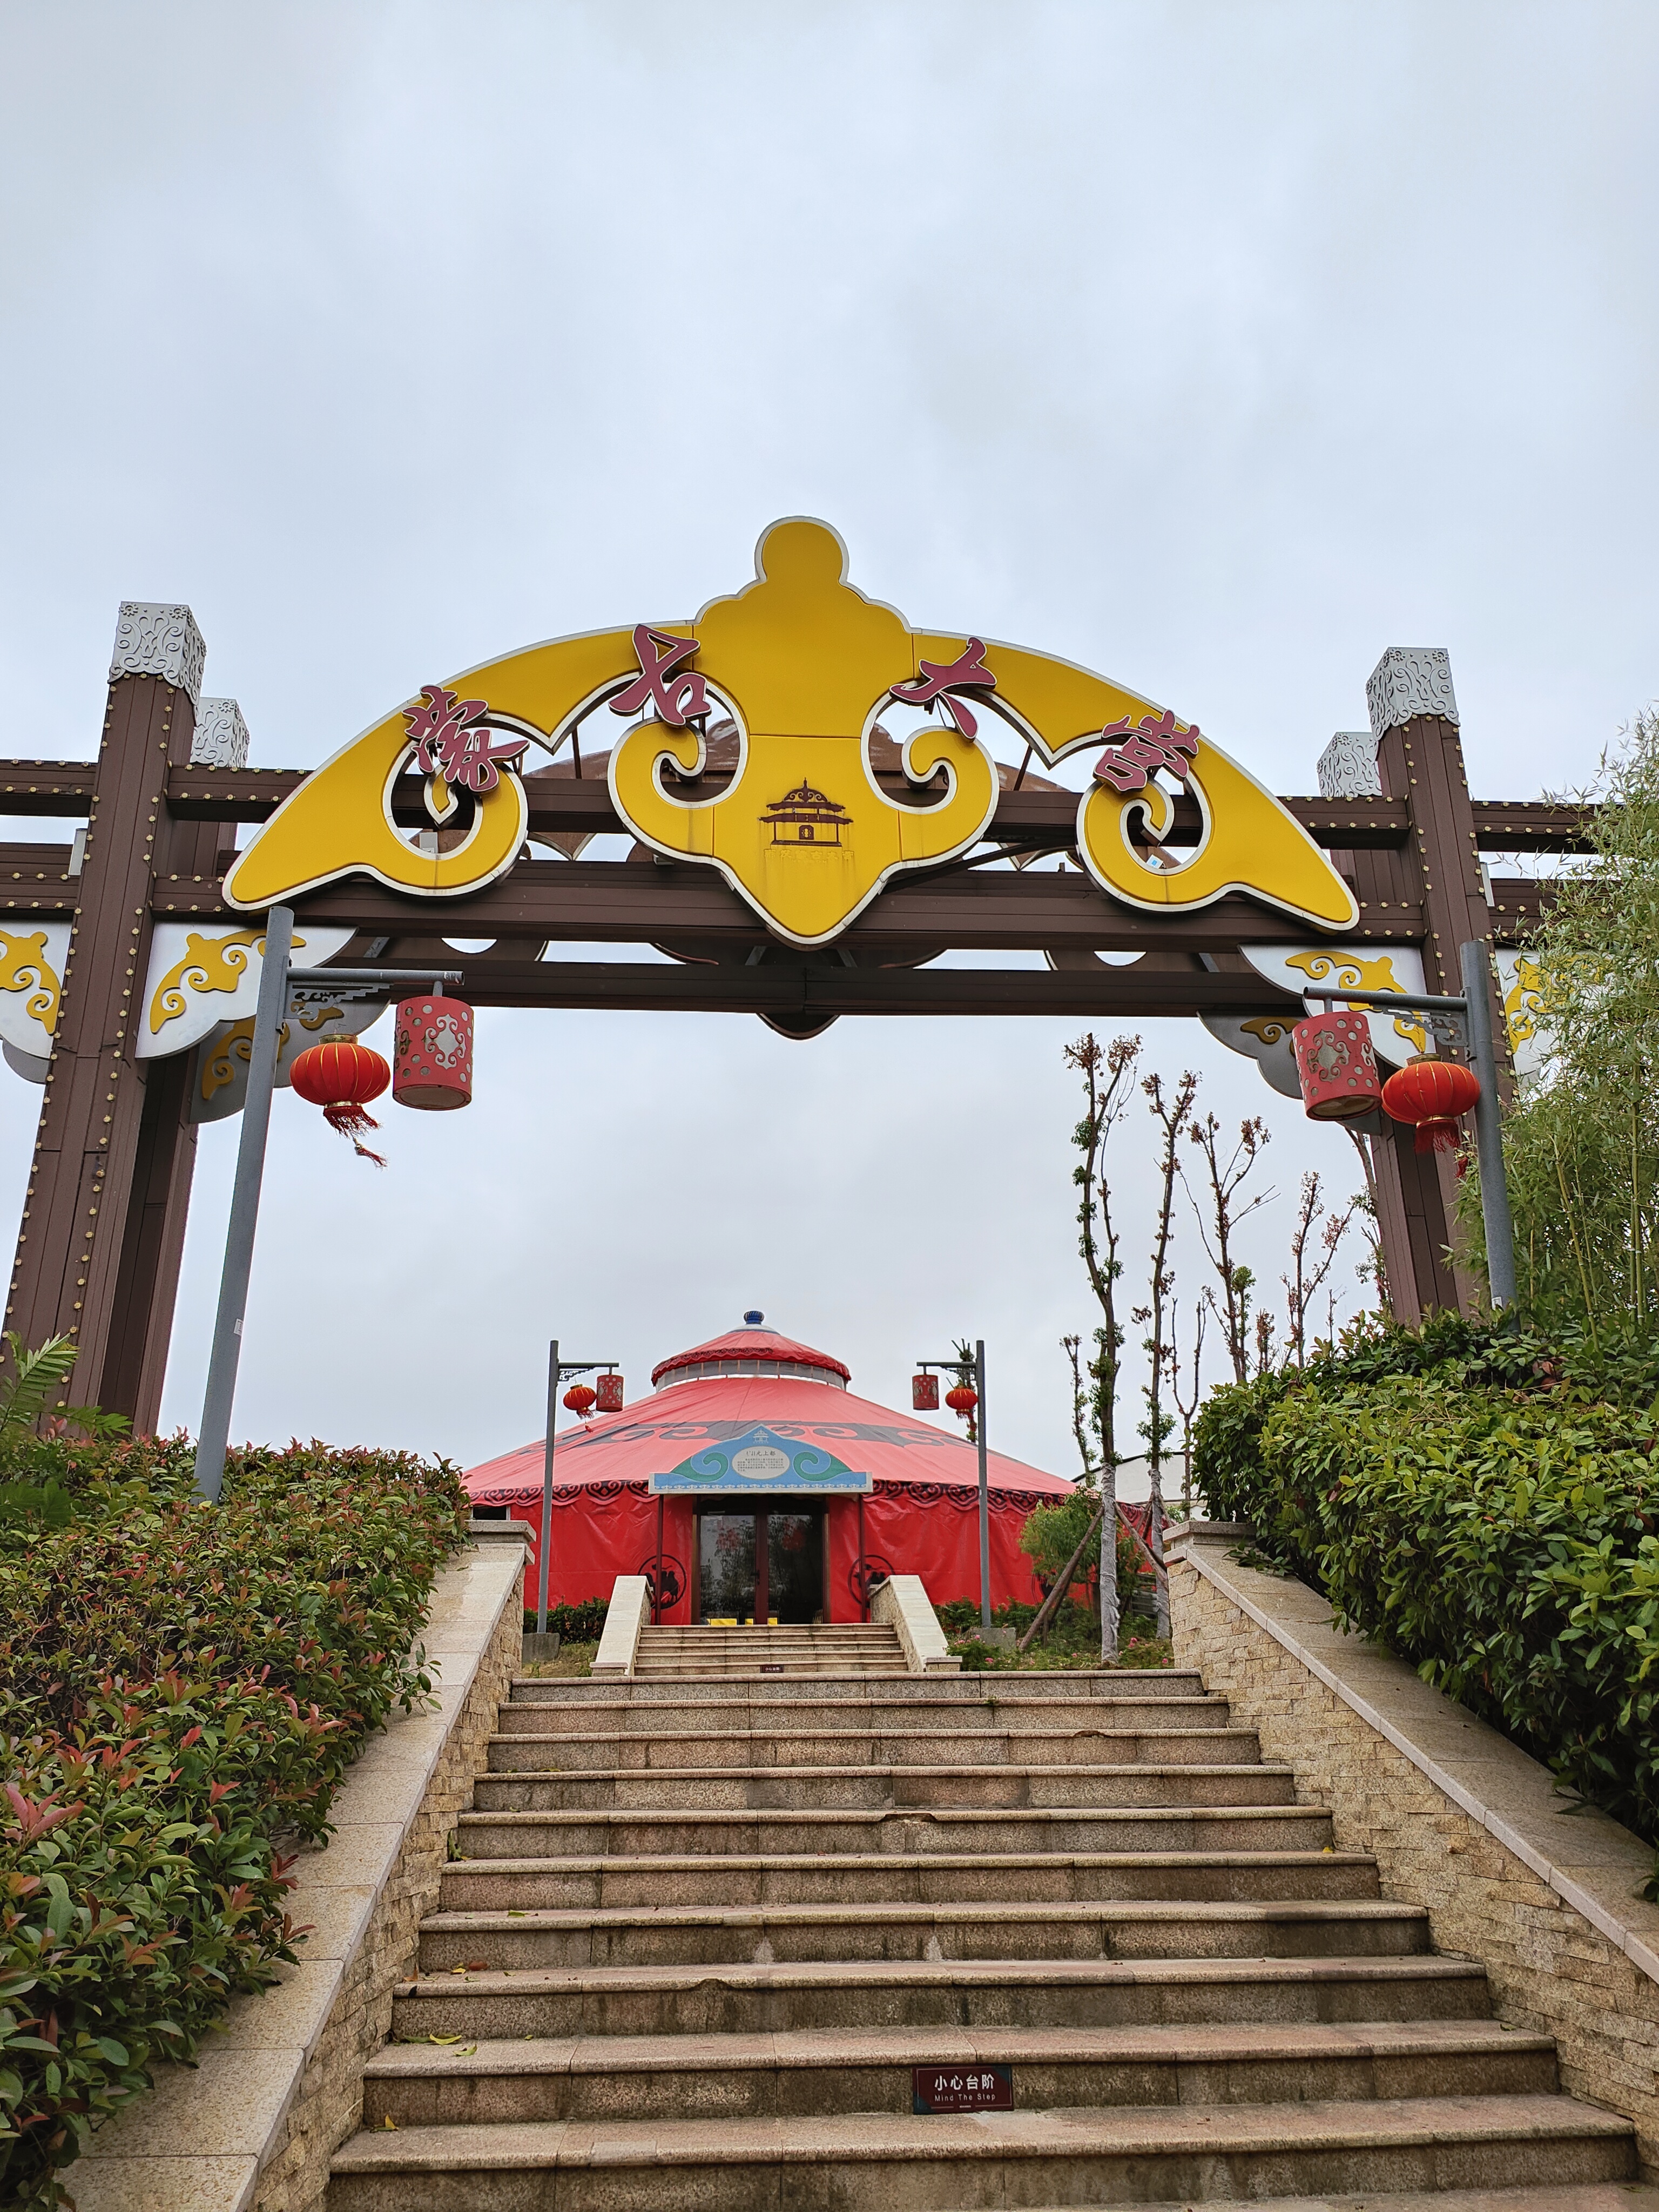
[{"x": 806, "y": 816}]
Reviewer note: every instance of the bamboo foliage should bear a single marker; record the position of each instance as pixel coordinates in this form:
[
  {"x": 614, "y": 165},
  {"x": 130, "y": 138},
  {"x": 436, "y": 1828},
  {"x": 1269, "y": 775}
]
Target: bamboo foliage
[{"x": 1581, "y": 1143}]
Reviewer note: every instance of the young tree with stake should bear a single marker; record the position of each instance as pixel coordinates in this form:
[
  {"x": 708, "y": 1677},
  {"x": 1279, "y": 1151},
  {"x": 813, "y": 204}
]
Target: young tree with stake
[
  {"x": 1170, "y": 1113},
  {"x": 1218, "y": 1222},
  {"x": 1109, "y": 1077}
]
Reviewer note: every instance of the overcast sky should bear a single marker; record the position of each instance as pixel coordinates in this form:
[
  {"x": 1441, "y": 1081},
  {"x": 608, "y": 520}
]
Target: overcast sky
[{"x": 1217, "y": 346}]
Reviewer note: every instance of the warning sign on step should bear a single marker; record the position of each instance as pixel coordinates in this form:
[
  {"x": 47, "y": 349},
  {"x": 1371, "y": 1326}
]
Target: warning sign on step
[{"x": 963, "y": 2089}]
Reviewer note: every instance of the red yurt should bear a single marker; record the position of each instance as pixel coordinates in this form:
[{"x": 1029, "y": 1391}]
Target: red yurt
[{"x": 752, "y": 1485}]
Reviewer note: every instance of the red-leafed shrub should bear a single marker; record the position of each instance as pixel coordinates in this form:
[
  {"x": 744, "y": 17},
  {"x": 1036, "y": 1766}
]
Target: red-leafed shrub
[{"x": 181, "y": 1688}]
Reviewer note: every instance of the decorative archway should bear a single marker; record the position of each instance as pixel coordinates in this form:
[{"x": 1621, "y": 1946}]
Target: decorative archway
[{"x": 129, "y": 961}]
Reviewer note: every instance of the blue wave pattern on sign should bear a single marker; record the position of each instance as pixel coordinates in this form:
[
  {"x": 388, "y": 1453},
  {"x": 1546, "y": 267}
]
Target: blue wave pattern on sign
[{"x": 761, "y": 1460}]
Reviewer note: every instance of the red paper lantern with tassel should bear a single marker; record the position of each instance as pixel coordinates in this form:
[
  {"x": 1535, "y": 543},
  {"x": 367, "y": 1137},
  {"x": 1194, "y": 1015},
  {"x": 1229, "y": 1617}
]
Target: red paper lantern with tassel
[
  {"x": 1432, "y": 1093},
  {"x": 962, "y": 1401},
  {"x": 579, "y": 1399},
  {"x": 341, "y": 1076}
]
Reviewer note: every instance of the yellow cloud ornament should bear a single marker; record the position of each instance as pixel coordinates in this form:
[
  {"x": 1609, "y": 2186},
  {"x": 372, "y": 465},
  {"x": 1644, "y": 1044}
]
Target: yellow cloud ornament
[
  {"x": 1248, "y": 842},
  {"x": 805, "y": 665}
]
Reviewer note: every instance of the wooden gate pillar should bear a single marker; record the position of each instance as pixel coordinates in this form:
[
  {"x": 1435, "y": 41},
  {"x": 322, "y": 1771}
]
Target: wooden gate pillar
[
  {"x": 1419, "y": 758},
  {"x": 109, "y": 1189}
]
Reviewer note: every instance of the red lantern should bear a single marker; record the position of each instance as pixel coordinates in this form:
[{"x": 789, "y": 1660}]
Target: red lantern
[
  {"x": 433, "y": 1065},
  {"x": 962, "y": 1400},
  {"x": 1336, "y": 1066},
  {"x": 924, "y": 1393},
  {"x": 610, "y": 1393},
  {"x": 341, "y": 1076},
  {"x": 1432, "y": 1093},
  {"x": 579, "y": 1399}
]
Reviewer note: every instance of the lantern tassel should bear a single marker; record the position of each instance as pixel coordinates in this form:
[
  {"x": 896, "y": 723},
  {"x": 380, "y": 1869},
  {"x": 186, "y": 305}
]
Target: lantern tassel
[
  {"x": 350, "y": 1119},
  {"x": 1436, "y": 1137}
]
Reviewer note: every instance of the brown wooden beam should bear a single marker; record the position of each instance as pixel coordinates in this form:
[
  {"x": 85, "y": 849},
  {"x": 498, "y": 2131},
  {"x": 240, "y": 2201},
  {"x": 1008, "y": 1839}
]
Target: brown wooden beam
[
  {"x": 636, "y": 903},
  {"x": 28, "y": 787},
  {"x": 789, "y": 987},
  {"x": 580, "y": 805}
]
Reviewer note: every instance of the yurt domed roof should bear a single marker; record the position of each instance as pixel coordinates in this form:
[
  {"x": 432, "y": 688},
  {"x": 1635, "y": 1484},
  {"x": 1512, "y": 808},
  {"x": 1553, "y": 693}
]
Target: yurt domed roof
[
  {"x": 753, "y": 1350},
  {"x": 753, "y": 1376}
]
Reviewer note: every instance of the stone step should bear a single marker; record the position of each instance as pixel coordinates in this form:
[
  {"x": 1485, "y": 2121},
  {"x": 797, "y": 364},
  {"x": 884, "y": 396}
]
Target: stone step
[
  {"x": 633, "y": 1833},
  {"x": 648, "y": 2078},
  {"x": 1049, "y": 1686},
  {"x": 686, "y": 1936},
  {"x": 1576, "y": 2197},
  {"x": 900, "y": 1878},
  {"x": 518, "y": 1752},
  {"x": 748, "y": 1669},
  {"x": 888, "y": 1995},
  {"x": 872, "y": 1788},
  {"x": 874, "y": 2162},
  {"x": 845, "y": 1636},
  {"x": 768, "y": 1712}
]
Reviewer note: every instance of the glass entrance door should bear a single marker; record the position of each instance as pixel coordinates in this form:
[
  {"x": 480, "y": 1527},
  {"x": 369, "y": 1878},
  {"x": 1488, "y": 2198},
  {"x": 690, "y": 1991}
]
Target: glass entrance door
[
  {"x": 794, "y": 1562},
  {"x": 725, "y": 1566},
  {"x": 760, "y": 1566}
]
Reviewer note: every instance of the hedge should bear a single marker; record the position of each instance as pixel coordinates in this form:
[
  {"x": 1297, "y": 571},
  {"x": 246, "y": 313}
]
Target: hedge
[
  {"x": 1499, "y": 1534},
  {"x": 181, "y": 1688},
  {"x": 582, "y": 1623}
]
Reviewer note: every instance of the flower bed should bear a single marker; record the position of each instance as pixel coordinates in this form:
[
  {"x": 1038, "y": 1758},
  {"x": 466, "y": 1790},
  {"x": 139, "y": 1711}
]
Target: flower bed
[{"x": 181, "y": 1688}]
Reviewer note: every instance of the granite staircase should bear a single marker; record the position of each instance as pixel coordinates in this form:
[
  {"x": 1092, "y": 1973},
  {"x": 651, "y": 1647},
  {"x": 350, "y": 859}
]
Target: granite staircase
[
  {"x": 710, "y": 1932},
  {"x": 688, "y": 1653}
]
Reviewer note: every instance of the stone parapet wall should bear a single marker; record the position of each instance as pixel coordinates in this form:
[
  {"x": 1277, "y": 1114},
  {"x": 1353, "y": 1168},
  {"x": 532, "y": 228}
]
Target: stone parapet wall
[
  {"x": 253, "y": 2126},
  {"x": 1459, "y": 1821}
]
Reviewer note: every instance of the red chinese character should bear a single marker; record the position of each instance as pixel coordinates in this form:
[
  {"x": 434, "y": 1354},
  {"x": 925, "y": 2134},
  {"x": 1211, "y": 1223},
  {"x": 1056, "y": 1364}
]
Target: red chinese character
[
  {"x": 1156, "y": 744},
  {"x": 452, "y": 740},
  {"x": 939, "y": 678},
  {"x": 684, "y": 699}
]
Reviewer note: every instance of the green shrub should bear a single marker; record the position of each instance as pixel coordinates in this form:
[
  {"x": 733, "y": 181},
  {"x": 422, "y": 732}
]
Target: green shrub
[
  {"x": 576, "y": 1624},
  {"x": 1479, "y": 1352},
  {"x": 181, "y": 1688},
  {"x": 1502, "y": 1540},
  {"x": 1053, "y": 1533}
]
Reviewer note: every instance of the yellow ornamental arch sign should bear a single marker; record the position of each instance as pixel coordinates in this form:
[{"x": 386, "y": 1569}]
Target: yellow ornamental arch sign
[{"x": 805, "y": 666}]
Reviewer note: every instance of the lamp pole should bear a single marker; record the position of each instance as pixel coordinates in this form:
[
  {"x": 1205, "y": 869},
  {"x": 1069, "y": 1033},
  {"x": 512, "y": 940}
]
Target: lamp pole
[
  {"x": 976, "y": 1367},
  {"x": 276, "y": 980},
  {"x": 557, "y": 1368},
  {"x": 1474, "y": 1011}
]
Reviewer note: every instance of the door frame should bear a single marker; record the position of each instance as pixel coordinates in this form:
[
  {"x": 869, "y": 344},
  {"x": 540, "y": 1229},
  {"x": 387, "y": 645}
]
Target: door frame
[{"x": 817, "y": 1509}]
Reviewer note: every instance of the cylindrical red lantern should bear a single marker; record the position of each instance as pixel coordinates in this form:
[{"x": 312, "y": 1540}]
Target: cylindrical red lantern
[
  {"x": 433, "y": 1063},
  {"x": 1432, "y": 1093},
  {"x": 924, "y": 1393},
  {"x": 962, "y": 1400},
  {"x": 341, "y": 1076},
  {"x": 1336, "y": 1066},
  {"x": 579, "y": 1399},
  {"x": 610, "y": 1393}
]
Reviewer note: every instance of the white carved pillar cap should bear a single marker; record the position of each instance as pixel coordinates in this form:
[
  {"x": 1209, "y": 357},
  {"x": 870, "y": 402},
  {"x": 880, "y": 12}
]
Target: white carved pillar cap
[
  {"x": 1348, "y": 766},
  {"x": 221, "y": 739},
  {"x": 1411, "y": 680},
  {"x": 152, "y": 639}
]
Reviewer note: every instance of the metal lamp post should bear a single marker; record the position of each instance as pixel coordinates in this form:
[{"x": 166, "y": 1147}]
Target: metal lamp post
[
  {"x": 959, "y": 1366},
  {"x": 276, "y": 980},
  {"x": 1474, "y": 1011},
  {"x": 557, "y": 1368}
]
